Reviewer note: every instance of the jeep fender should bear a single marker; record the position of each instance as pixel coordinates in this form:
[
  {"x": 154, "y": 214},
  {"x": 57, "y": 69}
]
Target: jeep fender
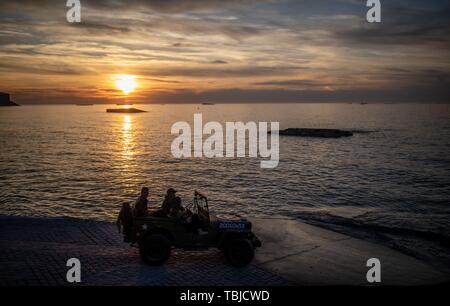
[
  {"x": 229, "y": 235},
  {"x": 161, "y": 231}
]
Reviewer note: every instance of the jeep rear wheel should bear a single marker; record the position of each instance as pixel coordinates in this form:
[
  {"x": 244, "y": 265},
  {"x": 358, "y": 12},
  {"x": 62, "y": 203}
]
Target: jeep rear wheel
[
  {"x": 239, "y": 252},
  {"x": 155, "y": 249}
]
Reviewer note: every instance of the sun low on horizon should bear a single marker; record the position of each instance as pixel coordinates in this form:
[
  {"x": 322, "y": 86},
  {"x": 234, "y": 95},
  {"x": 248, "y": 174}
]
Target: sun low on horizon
[
  {"x": 125, "y": 82},
  {"x": 185, "y": 51}
]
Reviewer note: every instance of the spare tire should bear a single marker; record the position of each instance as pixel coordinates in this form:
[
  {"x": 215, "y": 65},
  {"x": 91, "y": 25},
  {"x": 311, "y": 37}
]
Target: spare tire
[
  {"x": 155, "y": 249},
  {"x": 239, "y": 252}
]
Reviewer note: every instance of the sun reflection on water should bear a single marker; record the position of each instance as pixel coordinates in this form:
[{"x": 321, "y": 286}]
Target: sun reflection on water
[
  {"x": 126, "y": 166},
  {"x": 127, "y": 137}
]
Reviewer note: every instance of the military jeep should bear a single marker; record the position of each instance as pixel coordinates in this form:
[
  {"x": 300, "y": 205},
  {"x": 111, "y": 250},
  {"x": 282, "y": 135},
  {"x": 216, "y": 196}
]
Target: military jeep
[{"x": 157, "y": 235}]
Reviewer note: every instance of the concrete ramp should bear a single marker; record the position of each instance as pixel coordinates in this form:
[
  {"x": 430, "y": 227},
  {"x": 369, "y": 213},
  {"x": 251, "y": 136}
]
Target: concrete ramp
[{"x": 309, "y": 255}]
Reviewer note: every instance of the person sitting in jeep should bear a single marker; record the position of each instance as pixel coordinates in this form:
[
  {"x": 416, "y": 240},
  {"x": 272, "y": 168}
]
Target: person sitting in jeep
[
  {"x": 176, "y": 210},
  {"x": 141, "y": 205},
  {"x": 125, "y": 222},
  {"x": 169, "y": 201},
  {"x": 156, "y": 236},
  {"x": 185, "y": 216}
]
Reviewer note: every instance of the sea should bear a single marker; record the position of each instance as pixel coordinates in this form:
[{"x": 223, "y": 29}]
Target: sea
[{"x": 388, "y": 183}]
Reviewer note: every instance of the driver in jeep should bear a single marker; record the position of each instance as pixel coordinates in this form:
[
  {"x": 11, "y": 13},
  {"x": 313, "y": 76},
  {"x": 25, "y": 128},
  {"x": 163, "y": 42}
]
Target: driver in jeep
[{"x": 185, "y": 216}]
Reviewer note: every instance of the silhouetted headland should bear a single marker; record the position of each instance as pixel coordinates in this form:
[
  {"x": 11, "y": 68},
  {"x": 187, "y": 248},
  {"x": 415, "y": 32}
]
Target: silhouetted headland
[
  {"x": 125, "y": 110},
  {"x": 5, "y": 100},
  {"x": 322, "y": 133}
]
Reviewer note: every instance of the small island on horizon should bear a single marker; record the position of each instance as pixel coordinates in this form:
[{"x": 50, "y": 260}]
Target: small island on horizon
[
  {"x": 125, "y": 110},
  {"x": 5, "y": 100}
]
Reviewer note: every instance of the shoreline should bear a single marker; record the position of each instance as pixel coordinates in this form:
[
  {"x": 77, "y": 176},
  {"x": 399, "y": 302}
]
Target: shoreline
[
  {"x": 34, "y": 250},
  {"x": 401, "y": 240},
  {"x": 312, "y": 255}
]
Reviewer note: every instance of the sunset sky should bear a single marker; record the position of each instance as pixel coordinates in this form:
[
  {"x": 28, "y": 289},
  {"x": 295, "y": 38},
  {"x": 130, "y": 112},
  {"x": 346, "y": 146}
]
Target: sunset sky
[{"x": 225, "y": 51}]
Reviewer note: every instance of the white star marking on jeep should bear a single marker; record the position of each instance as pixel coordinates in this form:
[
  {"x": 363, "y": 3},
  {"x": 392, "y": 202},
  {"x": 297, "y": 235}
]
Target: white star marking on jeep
[{"x": 144, "y": 227}]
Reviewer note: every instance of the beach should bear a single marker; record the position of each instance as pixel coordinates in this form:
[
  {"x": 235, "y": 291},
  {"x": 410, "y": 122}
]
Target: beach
[{"x": 34, "y": 252}]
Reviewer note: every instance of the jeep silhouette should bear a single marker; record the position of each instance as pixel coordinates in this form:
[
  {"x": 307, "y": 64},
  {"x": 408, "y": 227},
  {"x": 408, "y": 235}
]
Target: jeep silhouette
[{"x": 156, "y": 236}]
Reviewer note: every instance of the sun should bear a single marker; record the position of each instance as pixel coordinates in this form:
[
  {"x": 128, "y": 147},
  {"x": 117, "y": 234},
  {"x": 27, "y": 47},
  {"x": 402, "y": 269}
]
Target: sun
[{"x": 125, "y": 82}]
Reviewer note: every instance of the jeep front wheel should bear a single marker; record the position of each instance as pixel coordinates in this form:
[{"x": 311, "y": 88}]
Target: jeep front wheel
[
  {"x": 239, "y": 252},
  {"x": 155, "y": 249}
]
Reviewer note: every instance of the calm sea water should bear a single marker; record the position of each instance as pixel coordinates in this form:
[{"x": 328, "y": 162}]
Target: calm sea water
[{"x": 389, "y": 182}]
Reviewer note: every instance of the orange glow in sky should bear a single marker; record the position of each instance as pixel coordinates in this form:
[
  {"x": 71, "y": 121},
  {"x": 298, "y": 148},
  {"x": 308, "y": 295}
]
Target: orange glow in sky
[{"x": 184, "y": 51}]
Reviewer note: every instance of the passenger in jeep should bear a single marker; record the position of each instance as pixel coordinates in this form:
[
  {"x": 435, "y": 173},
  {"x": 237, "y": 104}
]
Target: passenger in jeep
[
  {"x": 177, "y": 210},
  {"x": 141, "y": 205},
  {"x": 168, "y": 203},
  {"x": 125, "y": 222}
]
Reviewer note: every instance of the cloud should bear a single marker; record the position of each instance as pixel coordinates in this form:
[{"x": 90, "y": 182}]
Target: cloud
[
  {"x": 286, "y": 50},
  {"x": 165, "y": 6},
  {"x": 401, "y": 25},
  {"x": 220, "y": 62},
  {"x": 214, "y": 72},
  {"x": 93, "y": 27},
  {"x": 410, "y": 94},
  {"x": 293, "y": 83},
  {"x": 45, "y": 68}
]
